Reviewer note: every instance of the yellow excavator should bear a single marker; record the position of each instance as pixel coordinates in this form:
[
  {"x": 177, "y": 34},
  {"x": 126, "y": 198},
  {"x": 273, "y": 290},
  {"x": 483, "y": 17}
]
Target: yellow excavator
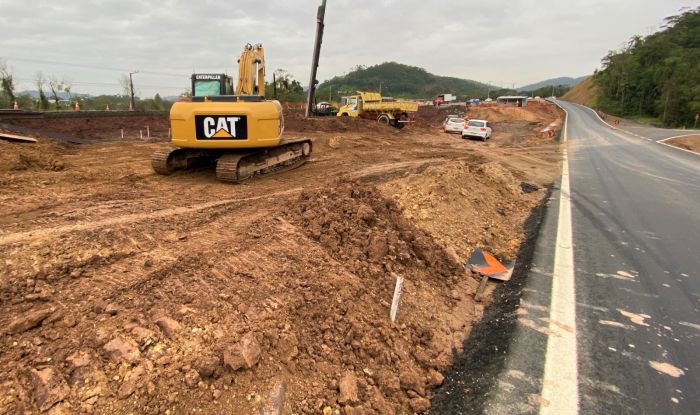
[{"x": 240, "y": 133}]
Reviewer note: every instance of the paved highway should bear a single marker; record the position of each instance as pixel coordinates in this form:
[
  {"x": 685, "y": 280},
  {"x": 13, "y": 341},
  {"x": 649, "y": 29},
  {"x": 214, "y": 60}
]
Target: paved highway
[
  {"x": 636, "y": 238},
  {"x": 621, "y": 237}
]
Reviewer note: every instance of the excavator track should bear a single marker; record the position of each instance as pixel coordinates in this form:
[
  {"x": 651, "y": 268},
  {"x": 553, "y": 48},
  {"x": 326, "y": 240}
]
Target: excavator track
[
  {"x": 169, "y": 159},
  {"x": 237, "y": 167}
]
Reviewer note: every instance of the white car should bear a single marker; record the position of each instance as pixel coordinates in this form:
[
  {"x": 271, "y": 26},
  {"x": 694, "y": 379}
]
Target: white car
[
  {"x": 477, "y": 129},
  {"x": 454, "y": 125}
]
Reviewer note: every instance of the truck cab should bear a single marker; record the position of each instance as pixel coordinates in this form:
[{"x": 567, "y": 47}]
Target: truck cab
[{"x": 351, "y": 106}]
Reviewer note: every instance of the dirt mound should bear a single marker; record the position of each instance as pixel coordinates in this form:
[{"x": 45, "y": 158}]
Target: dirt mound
[
  {"x": 95, "y": 125},
  {"x": 46, "y": 155},
  {"x": 430, "y": 116},
  {"x": 296, "y": 122},
  {"x": 466, "y": 206},
  {"x": 298, "y": 302},
  {"x": 356, "y": 224}
]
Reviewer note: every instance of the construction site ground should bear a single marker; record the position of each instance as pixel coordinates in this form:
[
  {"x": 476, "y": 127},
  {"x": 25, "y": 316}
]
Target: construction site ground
[{"x": 122, "y": 291}]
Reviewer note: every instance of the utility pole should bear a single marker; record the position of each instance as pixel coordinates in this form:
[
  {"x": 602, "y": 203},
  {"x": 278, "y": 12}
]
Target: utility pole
[
  {"x": 380, "y": 87},
  {"x": 320, "y": 15},
  {"x": 131, "y": 86}
]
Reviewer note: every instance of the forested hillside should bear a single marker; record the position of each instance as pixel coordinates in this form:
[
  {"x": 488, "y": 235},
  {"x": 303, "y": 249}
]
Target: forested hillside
[
  {"x": 401, "y": 81},
  {"x": 655, "y": 76}
]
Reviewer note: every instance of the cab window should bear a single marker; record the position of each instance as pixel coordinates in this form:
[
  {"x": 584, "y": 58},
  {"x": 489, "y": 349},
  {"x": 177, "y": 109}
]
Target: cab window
[{"x": 207, "y": 88}]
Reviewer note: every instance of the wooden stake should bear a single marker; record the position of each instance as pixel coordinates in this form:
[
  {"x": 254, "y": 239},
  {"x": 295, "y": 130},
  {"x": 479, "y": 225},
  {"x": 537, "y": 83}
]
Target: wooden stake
[{"x": 397, "y": 297}]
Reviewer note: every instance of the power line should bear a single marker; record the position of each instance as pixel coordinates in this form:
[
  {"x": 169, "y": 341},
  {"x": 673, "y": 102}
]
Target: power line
[
  {"x": 109, "y": 84},
  {"x": 100, "y": 68}
]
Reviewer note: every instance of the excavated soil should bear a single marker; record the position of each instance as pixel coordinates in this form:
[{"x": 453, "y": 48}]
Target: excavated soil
[{"x": 122, "y": 291}]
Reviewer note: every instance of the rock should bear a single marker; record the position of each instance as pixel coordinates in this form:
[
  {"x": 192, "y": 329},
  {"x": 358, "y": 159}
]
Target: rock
[
  {"x": 377, "y": 248},
  {"x": 122, "y": 350},
  {"x": 411, "y": 381},
  {"x": 144, "y": 337},
  {"x": 349, "y": 410},
  {"x": 99, "y": 306},
  {"x": 529, "y": 187},
  {"x": 244, "y": 354},
  {"x": 169, "y": 326},
  {"x": 111, "y": 309},
  {"x": 30, "y": 320},
  {"x": 192, "y": 378},
  {"x": 49, "y": 387},
  {"x": 61, "y": 408},
  {"x": 388, "y": 383},
  {"x": 275, "y": 399},
  {"x": 348, "y": 389},
  {"x": 366, "y": 213},
  {"x": 78, "y": 359},
  {"x": 435, "y": 378},
  {"x": 206, "y": 366},
  {"x": 420, "y": 405},
  {"x": 131, "y": 382},
  {"x": 216, "y": 394}
]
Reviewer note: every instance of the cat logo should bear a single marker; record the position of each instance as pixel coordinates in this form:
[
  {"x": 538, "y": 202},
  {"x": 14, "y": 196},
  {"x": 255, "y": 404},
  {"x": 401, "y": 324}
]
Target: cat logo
[{"x": 221, "y": 127}]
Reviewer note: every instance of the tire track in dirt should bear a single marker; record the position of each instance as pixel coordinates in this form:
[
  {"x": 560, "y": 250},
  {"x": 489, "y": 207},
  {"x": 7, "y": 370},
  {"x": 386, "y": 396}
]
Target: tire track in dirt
[{"x": 134, "y": 217}]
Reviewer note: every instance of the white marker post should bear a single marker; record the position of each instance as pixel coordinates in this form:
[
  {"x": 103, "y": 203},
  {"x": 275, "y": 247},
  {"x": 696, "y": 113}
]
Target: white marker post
[{"x": 397, "y": 297}]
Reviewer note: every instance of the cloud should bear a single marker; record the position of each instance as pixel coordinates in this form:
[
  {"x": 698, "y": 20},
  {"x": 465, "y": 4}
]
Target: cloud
[{"x": 503, "y": 41}]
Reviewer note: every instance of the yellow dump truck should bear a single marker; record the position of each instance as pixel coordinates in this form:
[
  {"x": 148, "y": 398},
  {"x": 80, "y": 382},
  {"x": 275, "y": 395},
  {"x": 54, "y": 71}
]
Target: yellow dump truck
[{"x": 371, "y": 105}]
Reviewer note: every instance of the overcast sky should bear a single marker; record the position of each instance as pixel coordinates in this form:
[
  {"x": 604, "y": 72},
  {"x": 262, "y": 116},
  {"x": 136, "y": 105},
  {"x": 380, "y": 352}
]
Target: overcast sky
[{"x": 505, "y": 42}]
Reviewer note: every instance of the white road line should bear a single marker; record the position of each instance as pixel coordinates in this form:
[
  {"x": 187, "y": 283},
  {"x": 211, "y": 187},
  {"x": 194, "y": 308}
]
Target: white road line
[
  {"x": 678, "y": 136},
  {"x": 662, "y": 142},
  {"x": 560, "y": 381}
]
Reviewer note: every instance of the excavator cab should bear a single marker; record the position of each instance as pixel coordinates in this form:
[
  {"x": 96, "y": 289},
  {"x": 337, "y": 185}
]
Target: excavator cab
[{"x": 207, "y": 85}]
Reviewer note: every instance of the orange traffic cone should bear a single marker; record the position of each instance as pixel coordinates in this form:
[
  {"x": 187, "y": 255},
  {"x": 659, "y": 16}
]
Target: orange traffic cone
[
  {"x": 77, "y": 106},
  {"x": 15, "y": 107}
]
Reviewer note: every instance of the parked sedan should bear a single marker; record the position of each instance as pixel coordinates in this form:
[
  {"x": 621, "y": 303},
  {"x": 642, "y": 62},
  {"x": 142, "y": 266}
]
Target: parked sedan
[
  {"x": 477, "y": 129},
  {"x": 454, "y": 125}
]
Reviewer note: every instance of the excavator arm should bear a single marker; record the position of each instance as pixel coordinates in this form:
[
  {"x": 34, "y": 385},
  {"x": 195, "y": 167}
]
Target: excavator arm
[{"x": 251, "y": 71}]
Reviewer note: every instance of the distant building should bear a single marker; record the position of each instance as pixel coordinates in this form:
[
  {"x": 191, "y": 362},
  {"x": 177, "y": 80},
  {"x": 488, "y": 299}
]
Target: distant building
[{"x": 517, "y": 100}]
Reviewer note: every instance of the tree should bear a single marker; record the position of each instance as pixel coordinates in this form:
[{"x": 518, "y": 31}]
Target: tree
[
  {"x": 67, "y": 87},
  {"x": 288, "y": 89},
  {"x": 656, "y": 76},
  {"x": 55, "y": 86},
  {"x": 7, "y": 84},
  {"x": 42, "y": 102}
]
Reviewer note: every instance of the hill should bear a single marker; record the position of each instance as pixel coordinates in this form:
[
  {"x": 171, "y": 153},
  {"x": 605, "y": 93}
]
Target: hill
[
  {"x": 400, "y": 81},
  {"x": 655, "y": 76},
  {"x": 563, "y": 80},
  {"x": 583, "y": 93}
]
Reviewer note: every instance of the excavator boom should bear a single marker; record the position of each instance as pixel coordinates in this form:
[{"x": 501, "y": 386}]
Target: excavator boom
[{"x": 251, "y": 71}]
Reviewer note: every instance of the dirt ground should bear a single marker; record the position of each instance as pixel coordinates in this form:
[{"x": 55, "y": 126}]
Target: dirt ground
[
  {"x": 122, "y": 291},
  {"x": 691, "y": 143}
]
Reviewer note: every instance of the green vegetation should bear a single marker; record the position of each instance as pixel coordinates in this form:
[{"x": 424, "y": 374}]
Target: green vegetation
[
  {"x": 400, "y": 81},
  {"x": 657, "y": 76},
  {"x": 285, "y": 86},
  {"x": 548, "y": 91}
]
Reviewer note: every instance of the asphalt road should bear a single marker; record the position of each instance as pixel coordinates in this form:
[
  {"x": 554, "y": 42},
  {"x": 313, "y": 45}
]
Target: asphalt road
[
  {"x": 653, "y": 133},
  {"x": 636, "y": 237},
  {"x": 635, "y": 275}
]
